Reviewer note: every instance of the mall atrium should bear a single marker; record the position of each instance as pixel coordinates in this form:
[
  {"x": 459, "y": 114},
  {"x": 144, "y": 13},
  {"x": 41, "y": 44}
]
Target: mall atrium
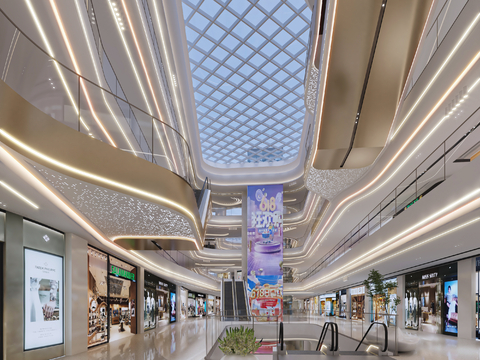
[{"x": 240, "y": 179}]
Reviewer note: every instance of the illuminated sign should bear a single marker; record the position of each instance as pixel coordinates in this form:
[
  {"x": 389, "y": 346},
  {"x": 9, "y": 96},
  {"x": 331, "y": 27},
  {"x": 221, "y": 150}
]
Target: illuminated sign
[
  {"x": 121, "y": 273},
  {"x": 429, "y": 276}
]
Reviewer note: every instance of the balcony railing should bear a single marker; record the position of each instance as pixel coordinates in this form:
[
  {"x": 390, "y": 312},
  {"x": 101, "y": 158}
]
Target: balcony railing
[
  {"x": 103, "y": 113},
  {"x": 461, "y": 147}
]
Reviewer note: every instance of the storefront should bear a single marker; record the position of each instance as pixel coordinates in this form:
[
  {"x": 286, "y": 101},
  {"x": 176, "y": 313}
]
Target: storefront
[
  {"x": 357, "y": 295},
  {"x": 477, "y": 296},
  {"x": 431, "y": 300},
  {"x": 192, "y": 305},
  {"x": 197, "y": 304},
  {"x": 211, "y": 305},
  {"x": 163, "y": 302},
  {"x": 217, "y": 304},
  {"x": 201, "y": 301},
  {"x": 379, "y": 306},
  {"x": 341, "y": 303},
  {"x": 112, "y": 292},
  {"x": 183, "y": 303},
  {"x": 328, "y": 302},
  {"x": 150, "y": 301}
]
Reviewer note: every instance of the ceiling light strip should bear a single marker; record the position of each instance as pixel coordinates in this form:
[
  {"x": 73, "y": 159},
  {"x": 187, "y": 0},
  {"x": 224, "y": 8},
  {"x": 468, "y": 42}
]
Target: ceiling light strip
[
  {"x": 18, "y": 194},
  {"x": 139, "y": 51},
  {"x": 369, "y": 266},
  {"x": 439, "y": 71},
  {"x": 395, "y": 157},
  {"x": 410, "y": 232},
  {"x": 101, "y": 179},
  {"x": 99, "y": 79},
  {"x": 77, "y": 69},
  {"x": 52, "y": 55},
  {"x": 57, "y": 201}
]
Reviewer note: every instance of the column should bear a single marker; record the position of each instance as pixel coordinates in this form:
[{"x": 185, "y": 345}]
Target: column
[
  {"x": 178, "y": 305},
  {"x": 244, "y": 233},
  {"x": 76, "y": 294},
  {"x": 401, "y": 306},
  {"x": 348, "y": 309},
  {"x": 140, "y": 300},
  {"x": 466, "y": 298}
]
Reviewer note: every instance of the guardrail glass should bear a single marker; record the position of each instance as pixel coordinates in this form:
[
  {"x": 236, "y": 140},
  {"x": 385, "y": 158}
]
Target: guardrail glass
[
  {"x": 81, "y": 104},
  {"x": 460, "y": 148}
]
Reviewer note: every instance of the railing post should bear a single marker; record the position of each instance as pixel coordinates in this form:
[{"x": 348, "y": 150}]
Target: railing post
[
  {"x": 152, "y": 138},
  {"x": 78, "y": 102},
  {"x": 396, "y": 336},
  {"x": 416, "y": 182},
  {"x": 445, "y": 160},
  {"x": 395, "y": 201}
]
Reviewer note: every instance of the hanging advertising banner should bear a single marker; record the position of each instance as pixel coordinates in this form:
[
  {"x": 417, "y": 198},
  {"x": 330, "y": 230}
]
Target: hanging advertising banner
[
  {"x": 265, "y": 251},
  {"x": 43, "y": 299},
  {"x": 451, "y": 306}
]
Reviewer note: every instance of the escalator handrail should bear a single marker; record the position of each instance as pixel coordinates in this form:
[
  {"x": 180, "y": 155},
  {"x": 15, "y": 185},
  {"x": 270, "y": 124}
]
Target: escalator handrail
[
  {"x": 280, "y": 336},
  {"x": 334, "y": 330},
  {"x": 386, "y": 335}
]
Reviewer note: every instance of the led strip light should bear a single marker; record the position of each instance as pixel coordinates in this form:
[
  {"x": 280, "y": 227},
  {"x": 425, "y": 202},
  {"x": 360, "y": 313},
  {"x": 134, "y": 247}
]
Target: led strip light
[
  {"x": 101, "y": 179},
  {"x": 392, "y": 160},
  {"x": 77, "y": 69},
  {"x": 138, "y": 258}
]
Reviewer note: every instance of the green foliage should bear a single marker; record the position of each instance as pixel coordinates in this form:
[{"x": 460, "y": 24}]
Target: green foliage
[
  {"x": 239, "y": 341},
  {"x": 375, "y": 286}
]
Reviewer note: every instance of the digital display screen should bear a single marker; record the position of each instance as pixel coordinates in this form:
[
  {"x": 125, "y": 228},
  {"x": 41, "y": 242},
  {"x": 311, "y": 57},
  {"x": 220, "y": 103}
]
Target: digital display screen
[
  {"x": 43, "y": 302},
  {"x": 173, "y": 304},
  {"x": 451, "y": 306}
]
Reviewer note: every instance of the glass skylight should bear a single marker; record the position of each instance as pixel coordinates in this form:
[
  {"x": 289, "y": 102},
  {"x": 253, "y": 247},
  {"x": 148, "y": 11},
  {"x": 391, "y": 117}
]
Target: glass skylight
[{"x": 247, "y": 59}]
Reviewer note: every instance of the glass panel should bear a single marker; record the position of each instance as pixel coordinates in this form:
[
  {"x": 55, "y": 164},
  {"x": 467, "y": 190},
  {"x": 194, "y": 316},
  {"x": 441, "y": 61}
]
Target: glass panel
[
  {"x": 388, "y": 208},
  {"x": 406, "y": 192},
  {"x": 41, "y": 81},
  {"x": 97, "y": 297},
  {"x": 430, "y": 173},
  {"x": 374, "y": 221}
]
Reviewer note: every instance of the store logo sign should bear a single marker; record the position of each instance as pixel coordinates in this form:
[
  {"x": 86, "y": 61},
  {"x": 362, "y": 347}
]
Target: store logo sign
[
  {"x": 429, "y": 276},
  {"x": 358, "y": 290},
  {"x": 122, "y": 273}
]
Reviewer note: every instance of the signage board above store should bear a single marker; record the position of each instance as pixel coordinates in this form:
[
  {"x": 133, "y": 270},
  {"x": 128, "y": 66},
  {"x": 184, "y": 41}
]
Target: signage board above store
[
  {"x": 429, "y": 276},
  {"x": 121, "y": 273},
  {"x": 357, "y": 290}
]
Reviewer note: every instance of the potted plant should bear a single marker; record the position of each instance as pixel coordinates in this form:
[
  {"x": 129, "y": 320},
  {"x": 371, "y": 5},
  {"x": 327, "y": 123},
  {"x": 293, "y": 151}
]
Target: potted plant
[
  {"x": 239, "y": 344},
  {"x": 377, "y": 288}
]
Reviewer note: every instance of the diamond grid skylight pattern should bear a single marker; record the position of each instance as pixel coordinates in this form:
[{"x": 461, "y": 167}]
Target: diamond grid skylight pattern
[{"x": 247, "y": 59}]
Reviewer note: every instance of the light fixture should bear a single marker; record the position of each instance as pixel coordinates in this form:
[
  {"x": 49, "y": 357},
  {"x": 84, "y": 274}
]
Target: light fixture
[{"x": 18, "y": 194}]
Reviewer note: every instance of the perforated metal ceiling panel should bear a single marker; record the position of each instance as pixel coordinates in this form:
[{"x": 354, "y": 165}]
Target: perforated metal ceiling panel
[{"x": 247, "y": 59}]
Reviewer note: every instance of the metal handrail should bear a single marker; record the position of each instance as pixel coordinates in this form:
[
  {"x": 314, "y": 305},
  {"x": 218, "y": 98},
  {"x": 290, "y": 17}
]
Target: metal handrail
[
  {"x": 280, "y": 336},
  {"x": 334, "y": 331},
  {"x": 332, "y": 253},
  {"x": 107, "y": 91},
  {"x": 385, "y": 348}
]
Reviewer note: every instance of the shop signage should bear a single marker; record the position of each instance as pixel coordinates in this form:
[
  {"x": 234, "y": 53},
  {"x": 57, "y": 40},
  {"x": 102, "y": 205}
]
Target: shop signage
[
  {"x": 191, "y": 295},
  {"x": 357, "y": 290},
  {"x": 413, "y": 202},
  {"x": 121, "y": 273},
  {"x": 429, "y": 276}
]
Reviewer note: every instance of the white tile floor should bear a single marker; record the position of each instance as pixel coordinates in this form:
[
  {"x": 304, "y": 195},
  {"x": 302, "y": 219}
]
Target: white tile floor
[{"x": 186, "y": 341}]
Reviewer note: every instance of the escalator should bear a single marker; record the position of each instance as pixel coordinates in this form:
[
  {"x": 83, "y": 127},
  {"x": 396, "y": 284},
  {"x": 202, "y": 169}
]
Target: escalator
[
  {"x": 228, "y": 300},
  {"x": 241, "y": 302}
]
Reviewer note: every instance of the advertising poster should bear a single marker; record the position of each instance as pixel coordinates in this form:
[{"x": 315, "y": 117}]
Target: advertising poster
[
  {"x": 43, "y": 299},
  {"x": 173, "y": 309},
  {"x": 451, "y": 306},
  {"x": 265, "y": 251}
]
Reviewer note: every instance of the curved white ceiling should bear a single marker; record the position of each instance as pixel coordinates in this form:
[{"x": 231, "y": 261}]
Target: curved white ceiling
[{"x": 248, "y": 67}]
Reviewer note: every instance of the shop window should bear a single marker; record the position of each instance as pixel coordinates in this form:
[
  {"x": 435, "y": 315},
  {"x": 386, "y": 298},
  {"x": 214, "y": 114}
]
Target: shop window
[{"x": 97, "y": 297}]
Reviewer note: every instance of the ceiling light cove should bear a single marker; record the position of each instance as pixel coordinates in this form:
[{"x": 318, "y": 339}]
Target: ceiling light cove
[
  {"x": 18, "y": 194},
  {"x": 248, "y": 67}
]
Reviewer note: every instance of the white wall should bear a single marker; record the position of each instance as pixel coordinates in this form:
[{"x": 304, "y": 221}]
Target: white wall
[
  {"x": 466, "y": 298},
  {"x": 76, "y": 294}
]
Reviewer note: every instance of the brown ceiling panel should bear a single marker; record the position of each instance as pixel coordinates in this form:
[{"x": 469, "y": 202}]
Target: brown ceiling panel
[{"x": 352, "y": 44}]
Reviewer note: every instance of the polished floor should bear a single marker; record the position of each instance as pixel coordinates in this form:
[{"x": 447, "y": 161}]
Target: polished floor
[{"x": 187, "y": 341}]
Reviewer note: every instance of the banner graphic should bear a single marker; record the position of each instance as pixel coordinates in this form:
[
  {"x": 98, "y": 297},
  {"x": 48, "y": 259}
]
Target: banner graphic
[{"x": 265, "y": 251}]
